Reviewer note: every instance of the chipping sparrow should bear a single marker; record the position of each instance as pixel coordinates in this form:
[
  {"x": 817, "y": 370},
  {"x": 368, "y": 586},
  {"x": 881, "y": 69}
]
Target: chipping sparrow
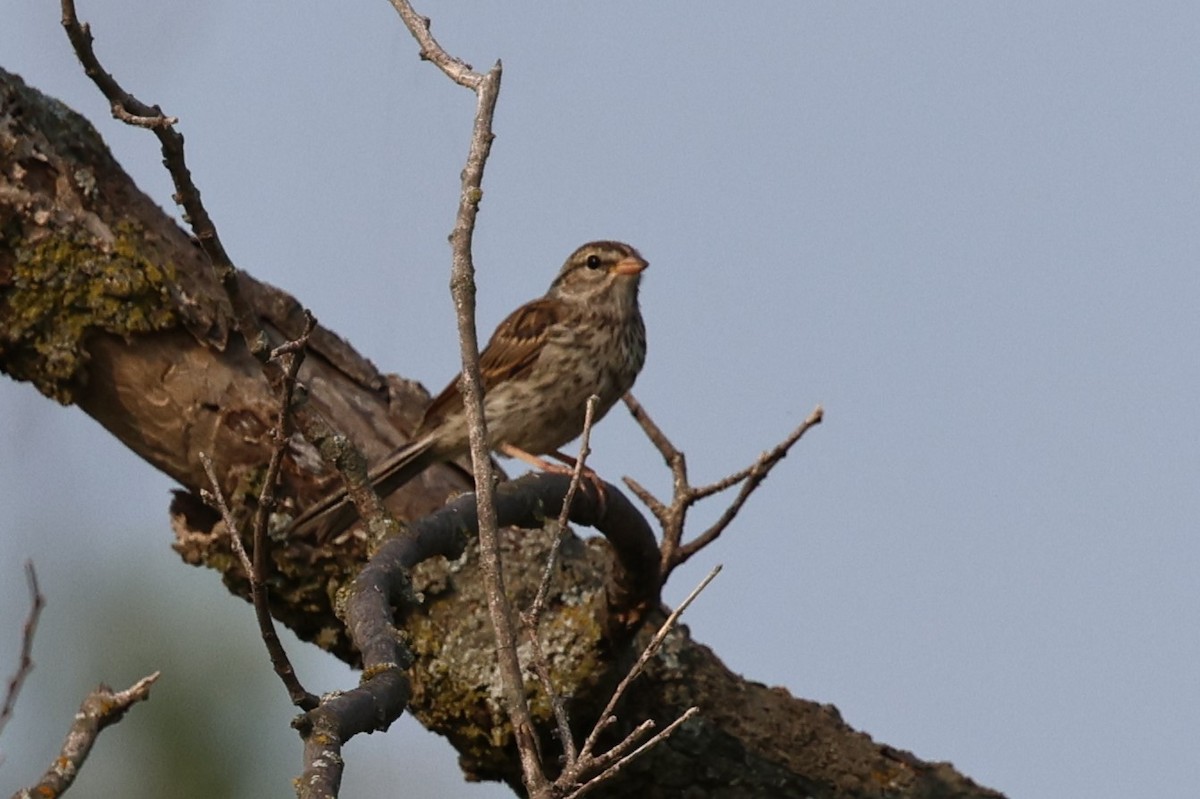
[{"x": 584, "y": 337}]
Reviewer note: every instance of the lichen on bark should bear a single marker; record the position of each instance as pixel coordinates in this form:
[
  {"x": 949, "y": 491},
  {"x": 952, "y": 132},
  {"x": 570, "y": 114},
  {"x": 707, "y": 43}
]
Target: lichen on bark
[{"x": 60, "y": 289}]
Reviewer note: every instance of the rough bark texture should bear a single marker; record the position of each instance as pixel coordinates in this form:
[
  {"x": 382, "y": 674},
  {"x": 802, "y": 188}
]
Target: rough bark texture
[{"x": 106, "y": 303}]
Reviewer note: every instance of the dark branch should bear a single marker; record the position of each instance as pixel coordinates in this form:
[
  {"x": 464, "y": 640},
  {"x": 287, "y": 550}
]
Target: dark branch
[
  {"x": 293, "y": 352},
  {"x": 25, "y": 661},
  {"x": 334, "y": 449},
  {"x": 256, "y": 574},
  {"x": 383, "y": 584}
]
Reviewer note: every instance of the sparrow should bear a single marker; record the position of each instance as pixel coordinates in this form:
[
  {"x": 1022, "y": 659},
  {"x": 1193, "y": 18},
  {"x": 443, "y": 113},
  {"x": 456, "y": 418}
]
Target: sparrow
[{"x": 585, "y": 336}]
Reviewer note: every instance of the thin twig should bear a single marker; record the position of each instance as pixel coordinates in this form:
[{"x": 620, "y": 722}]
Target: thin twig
[
  {"x": 607, "y": 764},
  {"x": 25, "y": 662},
  {"x": 280, "y": 435},
  {"x": 531, "y": 619},
  {"x": 462, "y": 285},
  {"x": 471, "y": 385},
  {"x": 131, "y": 110},
  {"x": 670, "y": 517},
  {"x": 541, "y": 669},
  {"x": 216, "y": 497},
  {"x": 102, "y": 708},
  {"x": 649, "y": 652},
  {"x": 673, "y": 552},
  {"x": 280, "y": 661},
  {"x": 611, "y": 771},
  {"x": 455, "y": 68},
  {"x": 125, "y": 106},
  {"x": 594, "y": 764},
  {"x": 294, "y": 353},
  {"x": 652, "y": 430},
  {"x": 753, "y": 477}
]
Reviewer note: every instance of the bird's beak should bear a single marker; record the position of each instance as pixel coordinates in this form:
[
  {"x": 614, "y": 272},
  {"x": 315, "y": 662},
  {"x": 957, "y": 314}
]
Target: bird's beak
[{"x": 630, "y": 266}]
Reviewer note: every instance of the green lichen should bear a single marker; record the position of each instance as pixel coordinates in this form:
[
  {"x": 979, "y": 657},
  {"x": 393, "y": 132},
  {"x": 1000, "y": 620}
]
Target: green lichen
[{"x": 61, "y": 289}]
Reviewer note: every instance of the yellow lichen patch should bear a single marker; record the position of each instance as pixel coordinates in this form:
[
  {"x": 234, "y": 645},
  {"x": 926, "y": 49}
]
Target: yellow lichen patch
[{"x": 60, "y": 290}]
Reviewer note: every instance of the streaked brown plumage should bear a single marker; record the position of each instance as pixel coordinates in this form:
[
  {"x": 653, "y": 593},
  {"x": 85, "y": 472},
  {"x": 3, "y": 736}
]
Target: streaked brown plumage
[{"x": 584, "y": 337}]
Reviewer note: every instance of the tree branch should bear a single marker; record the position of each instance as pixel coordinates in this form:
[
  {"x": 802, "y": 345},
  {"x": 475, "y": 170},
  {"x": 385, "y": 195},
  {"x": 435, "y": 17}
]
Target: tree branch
[
  {"x": 102, "y": 708},
  {"x": 256, "y": 573},
  {"x": 25, "y": 661},
  {"x": 672, "y": 517},
  {"x": 607, "y": 765},
  {"x": 462, "y": 286},
  {"x": 106, "y": 303}
]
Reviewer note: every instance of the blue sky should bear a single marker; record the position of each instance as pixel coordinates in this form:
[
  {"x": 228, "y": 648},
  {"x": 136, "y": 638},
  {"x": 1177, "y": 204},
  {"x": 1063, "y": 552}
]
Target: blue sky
[{"x": 968, "y": 230}]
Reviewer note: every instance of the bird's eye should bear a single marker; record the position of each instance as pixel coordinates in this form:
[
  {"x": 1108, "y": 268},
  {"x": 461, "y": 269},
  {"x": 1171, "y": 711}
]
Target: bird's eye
[{"x": 593, "y": 262}]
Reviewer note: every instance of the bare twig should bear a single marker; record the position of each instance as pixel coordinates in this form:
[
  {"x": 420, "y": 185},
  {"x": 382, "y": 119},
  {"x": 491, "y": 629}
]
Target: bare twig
[
  {"x": 650, "y": 651},
  {"x": 258, "y": 593},
  {"x": 102, "y": 708},
  {"x": 215, "y": 497},
  {"x": 25, "y": 661},
  {"x": 129, "y": 109},
  {"x": 462, "y": 286},
  {"x": 672, "y": 517},
  {"x": 455, "y": 68},
  {"x": 531, "y": 618},
  {"x": 294, "y": 353},
  {"x": 607, "y": 764},
  {"x": 676, "y": 462},
  {"x": 541, "y": 668},
  {"x": 753, "y": 476},
  {"x": 612, "y": 770},
  {"x": 335, "y": 449}
]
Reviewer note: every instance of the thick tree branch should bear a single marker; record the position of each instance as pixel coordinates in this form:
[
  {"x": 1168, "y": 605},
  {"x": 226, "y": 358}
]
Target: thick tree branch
[{"x": 105, "y": 303}]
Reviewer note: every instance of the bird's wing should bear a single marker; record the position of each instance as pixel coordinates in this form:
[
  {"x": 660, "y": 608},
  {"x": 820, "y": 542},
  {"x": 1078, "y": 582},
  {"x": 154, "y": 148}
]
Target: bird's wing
[{"x": 511, "y": 352}]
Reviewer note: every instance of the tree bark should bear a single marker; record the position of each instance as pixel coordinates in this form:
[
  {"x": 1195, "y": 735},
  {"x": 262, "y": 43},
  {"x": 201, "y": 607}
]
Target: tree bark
[{"x": 106, "y": 303}]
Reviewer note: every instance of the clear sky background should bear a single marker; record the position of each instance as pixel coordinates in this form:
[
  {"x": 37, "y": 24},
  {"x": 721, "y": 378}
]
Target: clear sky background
[{"x": 969, "y": 230}]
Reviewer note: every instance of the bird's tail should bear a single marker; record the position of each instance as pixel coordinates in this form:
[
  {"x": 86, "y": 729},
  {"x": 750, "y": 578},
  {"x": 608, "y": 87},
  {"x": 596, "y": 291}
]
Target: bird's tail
[{"x": 335, "y": 512}]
